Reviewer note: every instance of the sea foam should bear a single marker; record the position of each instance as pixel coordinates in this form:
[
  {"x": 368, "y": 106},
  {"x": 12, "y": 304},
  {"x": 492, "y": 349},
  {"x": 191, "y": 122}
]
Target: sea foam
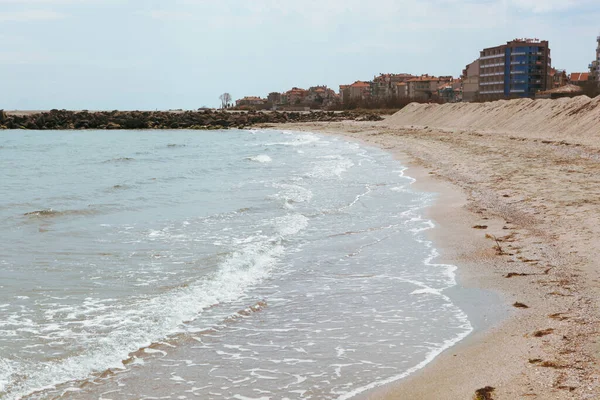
[{"x": 262, "y": 158}]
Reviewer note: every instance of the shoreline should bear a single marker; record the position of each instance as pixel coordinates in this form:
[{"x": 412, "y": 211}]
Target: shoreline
[
  {"x": 539, "y": 198},
  {"x": 448, "y": 214},
  {"x": 544, "y": 351},
  {"x": 491, "y": 310},
  {"x": 484, "y": 308}
]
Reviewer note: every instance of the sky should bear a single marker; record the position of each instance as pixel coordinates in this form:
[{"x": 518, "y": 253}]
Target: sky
[{"x": 149, "y": 54}]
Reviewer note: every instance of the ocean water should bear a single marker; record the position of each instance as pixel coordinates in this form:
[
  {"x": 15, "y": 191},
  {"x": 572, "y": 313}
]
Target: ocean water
[{"x": 213, "y": 265}]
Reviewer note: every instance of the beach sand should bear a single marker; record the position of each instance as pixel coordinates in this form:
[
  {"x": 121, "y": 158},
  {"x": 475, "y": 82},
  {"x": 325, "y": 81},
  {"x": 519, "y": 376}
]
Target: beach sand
[{"x": 537, "y": 191}]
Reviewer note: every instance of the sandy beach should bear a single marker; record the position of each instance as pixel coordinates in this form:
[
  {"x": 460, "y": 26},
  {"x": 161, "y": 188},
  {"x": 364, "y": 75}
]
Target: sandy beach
[{"x": 519, "y": 214}]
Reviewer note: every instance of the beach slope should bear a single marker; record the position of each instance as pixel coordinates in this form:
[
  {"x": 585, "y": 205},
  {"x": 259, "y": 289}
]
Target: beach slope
[{"x": 519, "y": 213}]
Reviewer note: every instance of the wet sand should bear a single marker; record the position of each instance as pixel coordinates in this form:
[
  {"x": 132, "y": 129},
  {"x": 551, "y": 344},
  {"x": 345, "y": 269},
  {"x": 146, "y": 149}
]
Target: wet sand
[{"x": 520, "y": 216}]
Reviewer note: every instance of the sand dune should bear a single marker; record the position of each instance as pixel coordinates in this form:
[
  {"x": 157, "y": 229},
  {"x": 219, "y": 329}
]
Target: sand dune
[{"x": 575, "y": 118}]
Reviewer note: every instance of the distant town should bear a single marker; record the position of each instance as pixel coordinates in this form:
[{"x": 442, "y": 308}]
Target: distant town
[{"x": 521, "y": 68}]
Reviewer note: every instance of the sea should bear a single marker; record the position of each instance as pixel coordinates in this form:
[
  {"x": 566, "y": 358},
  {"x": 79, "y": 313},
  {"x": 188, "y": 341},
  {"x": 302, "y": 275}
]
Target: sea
[{"x": 237, "y": 264}]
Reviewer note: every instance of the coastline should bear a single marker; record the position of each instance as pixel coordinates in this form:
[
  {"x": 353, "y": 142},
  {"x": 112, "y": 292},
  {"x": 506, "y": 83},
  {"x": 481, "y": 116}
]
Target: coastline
[
  {"x": 485, "y": 308},
  {"x": 544, "y": 351}
]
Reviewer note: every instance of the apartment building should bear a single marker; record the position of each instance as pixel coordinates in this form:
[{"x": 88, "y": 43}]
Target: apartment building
[
  {"x": 519, "y": 68},
  {"x": 344, "y": 93},
  {"x": 294, "y": 96},
  {"x": 425, "y": 87},
  {"x": 321, "y": 95},
  {"x": 595, "y": 65},
  {"x": 359, "y": 90},
  {"x": 400, "y": 90},
  {"x": 470, "y": 81},
  {"x": 250, "y": 101},
  {"x": 384, "y": 85},
  {"x": 422, "y": 88}
]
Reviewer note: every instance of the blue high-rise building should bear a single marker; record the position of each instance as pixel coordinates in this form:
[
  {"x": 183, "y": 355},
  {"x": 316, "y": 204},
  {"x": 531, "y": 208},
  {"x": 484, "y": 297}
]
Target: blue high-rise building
[{"x": 519, "y": 68}]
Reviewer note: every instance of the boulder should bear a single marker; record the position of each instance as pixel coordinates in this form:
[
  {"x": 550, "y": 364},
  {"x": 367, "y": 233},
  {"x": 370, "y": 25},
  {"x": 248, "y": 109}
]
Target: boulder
[
  {"x": 134, "y": 123},
  {"x": 112, "y": 125}
]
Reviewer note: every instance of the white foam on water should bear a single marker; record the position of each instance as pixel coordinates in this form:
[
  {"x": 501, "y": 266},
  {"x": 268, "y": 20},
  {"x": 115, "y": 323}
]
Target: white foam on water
[
  {"x": 240, "y": 397},
  {"x": 299, "y": 140},
  {"x": 428, "y": 359},
  {"x": 330, "y": 168},
  {"x": 449, "y": 277},
  {"x": 261, "y": 158},
  {"x": 148, "y": 320},
  {"x": 6, "y": 371},
  {"x": 465, "y": 324},
  {"x": 293, "y": 193},
  {"x": 402, "y": 175},
  {"x": 358, "y": 197},
  {"x": 427, "y": 291},
  {"x": 291, "y": 224}
]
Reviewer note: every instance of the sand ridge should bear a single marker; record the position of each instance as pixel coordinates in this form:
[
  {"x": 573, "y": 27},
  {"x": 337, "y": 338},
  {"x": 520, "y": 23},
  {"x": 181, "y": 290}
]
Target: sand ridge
[{"x": 577, "y": 117}]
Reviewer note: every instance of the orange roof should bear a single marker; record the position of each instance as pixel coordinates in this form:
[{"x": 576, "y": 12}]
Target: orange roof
[
  {"x": 296, "y": 91},
  {"x": 424, "y": 78},
  {"x": 360, "y": 84},
  {"x": 401, "y": 84},
  {"x": 579, "y": 76}
]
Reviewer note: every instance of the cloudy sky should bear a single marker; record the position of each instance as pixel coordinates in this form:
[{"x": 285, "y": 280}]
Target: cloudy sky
[{"x": 149, "y": 54}]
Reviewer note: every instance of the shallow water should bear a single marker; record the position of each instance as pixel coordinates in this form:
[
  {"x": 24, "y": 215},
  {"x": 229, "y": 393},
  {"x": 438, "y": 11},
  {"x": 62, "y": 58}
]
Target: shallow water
[{"x": 222, "y": 264}]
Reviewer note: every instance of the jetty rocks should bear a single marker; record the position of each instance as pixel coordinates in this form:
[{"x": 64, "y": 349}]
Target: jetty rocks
[{"x": 206, "y": 119}]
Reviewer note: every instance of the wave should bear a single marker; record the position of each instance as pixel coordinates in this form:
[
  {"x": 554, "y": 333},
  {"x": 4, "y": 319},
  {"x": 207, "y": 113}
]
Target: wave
[
  {"x": 51, "y": 213},
  {"x": 119, "y": 160},
  {"x": 291, "y": 224},
  {"x": 125, "y": 329},
  {"x": 299, "y": 140},
  {"x": 155, "y": 349},
  {"x": 466, "y": 325},
  {"x": 290, "y": 194},
  {"x": 449, "y": 280},
  {"x": 43, "y": 213},
  {"x": 262, "y": 158},
  {"x": 145, "y": 322},
  {"x": 330, "y": 168},
  {"x": 223, "y": 323}
]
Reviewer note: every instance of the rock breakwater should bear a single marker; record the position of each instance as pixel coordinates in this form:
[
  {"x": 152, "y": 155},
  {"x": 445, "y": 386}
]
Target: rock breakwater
[{"x": 208, "y": 119}]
